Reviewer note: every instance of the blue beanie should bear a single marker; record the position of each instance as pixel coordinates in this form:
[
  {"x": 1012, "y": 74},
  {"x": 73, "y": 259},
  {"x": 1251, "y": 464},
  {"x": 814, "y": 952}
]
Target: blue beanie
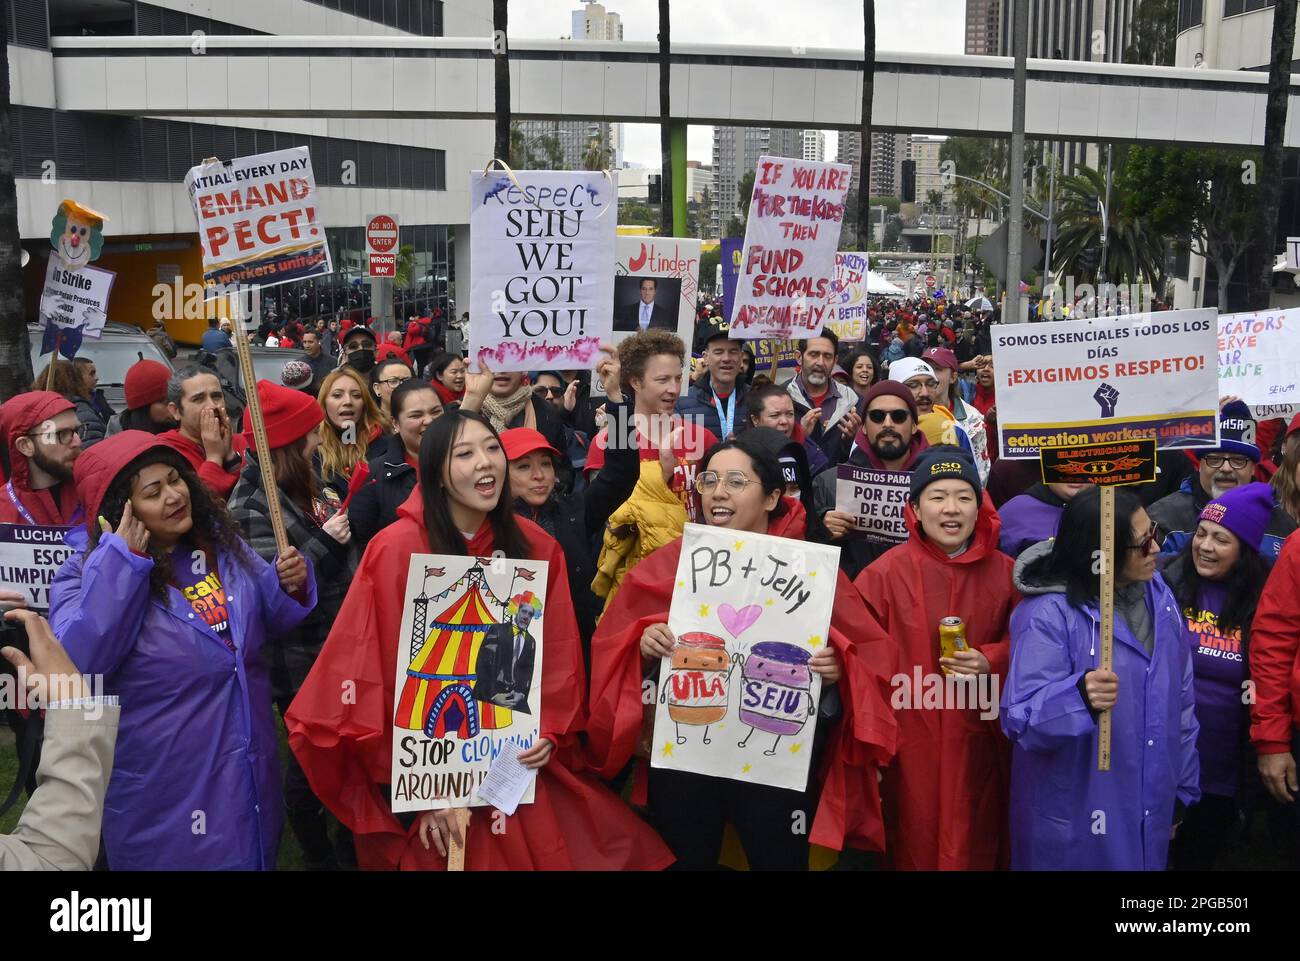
[
  {"x": 1237, "y": 430},
  {"x": 1243, "y": 510}
]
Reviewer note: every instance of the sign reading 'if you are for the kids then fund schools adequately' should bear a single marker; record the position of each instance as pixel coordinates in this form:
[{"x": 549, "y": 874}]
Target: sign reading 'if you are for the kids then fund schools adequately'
[{"x": 1075, "y": 382}]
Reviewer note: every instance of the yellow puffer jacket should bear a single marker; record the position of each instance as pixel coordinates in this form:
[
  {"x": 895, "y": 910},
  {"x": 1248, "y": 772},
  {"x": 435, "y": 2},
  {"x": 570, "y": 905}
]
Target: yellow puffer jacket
[{"x": 652, "y": 517}]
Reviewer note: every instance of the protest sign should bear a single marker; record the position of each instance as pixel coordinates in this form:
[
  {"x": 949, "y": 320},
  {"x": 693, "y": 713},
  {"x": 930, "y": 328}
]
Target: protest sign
[
  {"x": 469, "y": 675},
  {"x": 74, "y": 299},
  {"x": 1259, "y": 360},
  {"x": 793, "y": 229},
  {"x": 737, "y": 699},
  {"x": 731, "y": 249},
  {"x": 874, "y": 499},
  {"x": 848, "y": 299},
  {"x": 1127, "y": 462},
  {"x": 30, "y": 556},
  {"x": 1074, "y": 382},
  {"x": 784, "y": 353},
  {"x": 258, "y": 218},
  {"x": 542, "y": 279}
]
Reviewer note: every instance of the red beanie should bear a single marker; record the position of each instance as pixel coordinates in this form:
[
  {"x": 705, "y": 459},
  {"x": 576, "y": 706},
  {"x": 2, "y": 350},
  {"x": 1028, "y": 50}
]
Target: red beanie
[
  {"x": 146, "y": 382},
  {"x": 289, "y": 414}
]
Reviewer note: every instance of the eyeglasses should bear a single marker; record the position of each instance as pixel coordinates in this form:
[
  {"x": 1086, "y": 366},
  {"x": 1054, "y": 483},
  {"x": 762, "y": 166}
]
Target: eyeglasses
[
  {"x": 392, "y": 382},
  {"x": 736, "y": 481},
  {"x": 1144, "y": 545},
  {"x": 917, "y": 384},
  {"x": 63, "y": 437},
  {"x": 897, "y": 416},
  {"x": 549, "y": 391},
  {"x": 1215, "y": 461}
]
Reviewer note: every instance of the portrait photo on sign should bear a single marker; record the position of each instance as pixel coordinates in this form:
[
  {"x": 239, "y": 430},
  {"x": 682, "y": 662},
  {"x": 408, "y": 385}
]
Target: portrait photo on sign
[{"x": 645, "y": 303}]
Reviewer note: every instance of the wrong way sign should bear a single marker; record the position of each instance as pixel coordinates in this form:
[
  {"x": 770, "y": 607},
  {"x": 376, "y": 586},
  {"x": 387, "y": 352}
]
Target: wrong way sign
[{"x": 381, "y": 245}]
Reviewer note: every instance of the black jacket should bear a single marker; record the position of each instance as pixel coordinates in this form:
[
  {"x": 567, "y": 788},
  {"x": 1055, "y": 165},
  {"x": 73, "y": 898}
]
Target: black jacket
[
  {"x": 374, "y": 506},
  {"x": 496, "y": 671}
]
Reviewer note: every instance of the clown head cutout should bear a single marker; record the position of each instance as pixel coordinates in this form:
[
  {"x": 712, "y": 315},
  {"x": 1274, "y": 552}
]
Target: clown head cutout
[{"x": 77, "y": 234}]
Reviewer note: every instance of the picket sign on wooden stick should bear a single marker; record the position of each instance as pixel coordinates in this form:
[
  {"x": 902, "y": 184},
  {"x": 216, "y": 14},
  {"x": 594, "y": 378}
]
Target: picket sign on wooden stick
[
  {"x": 253, "y": 409},
  {"x": 456, "y": 850},
  {"x": 1107, "y": 614},
  {"x": 49, "y": 371}
]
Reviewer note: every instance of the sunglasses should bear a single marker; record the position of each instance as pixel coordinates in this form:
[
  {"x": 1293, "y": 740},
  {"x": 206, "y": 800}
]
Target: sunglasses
[
  {"x": 549, "y": 391},
  {"x": 1144, "y": 545},
  {"x": 896, "y": 416}
]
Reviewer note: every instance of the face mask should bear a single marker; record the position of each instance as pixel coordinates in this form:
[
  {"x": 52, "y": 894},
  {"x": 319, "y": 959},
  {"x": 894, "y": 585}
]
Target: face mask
[{"x": 361, "y": 360}]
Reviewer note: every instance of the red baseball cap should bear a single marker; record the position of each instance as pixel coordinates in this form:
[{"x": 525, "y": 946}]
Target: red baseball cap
[
  {"x": 941, "y": 357},
  {"x": 521, "y": 441},
  {"x": 1295, "y": 426}
]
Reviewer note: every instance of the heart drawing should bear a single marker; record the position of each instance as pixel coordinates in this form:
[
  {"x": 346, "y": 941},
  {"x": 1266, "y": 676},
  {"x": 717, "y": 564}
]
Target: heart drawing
[{"x": 738, "y": 621}]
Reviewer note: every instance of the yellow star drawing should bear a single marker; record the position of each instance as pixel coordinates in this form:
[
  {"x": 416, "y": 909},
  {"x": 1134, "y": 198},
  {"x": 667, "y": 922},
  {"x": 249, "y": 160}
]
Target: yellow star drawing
[
  {"x": 746, "y": 769},
  {"x": 794, "y": 748},
  {"x": 668, "y": 749},
  {"x": 681, "y": 583},
  {"x": 815, "y": 641},
  {"x": 738, "y": 545},
  {"x": 769, "y": 602},
  {"x": 812, "y": 573},
  {"x": 704, "y": 610}
]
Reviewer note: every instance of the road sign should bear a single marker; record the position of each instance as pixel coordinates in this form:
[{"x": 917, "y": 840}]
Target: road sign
[
  {"x": 931, "y": 282},
  {"x": 381, "y": 246}
]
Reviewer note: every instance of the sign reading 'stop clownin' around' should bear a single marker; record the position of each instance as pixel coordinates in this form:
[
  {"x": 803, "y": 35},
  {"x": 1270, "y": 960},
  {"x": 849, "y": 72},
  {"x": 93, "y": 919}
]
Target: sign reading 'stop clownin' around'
[
  {"x": 469, "y": 675},
  {"x": 737, "y": 699}
]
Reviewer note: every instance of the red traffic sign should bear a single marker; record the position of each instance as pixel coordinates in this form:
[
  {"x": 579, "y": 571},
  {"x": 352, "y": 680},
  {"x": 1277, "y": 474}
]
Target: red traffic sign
[
  {"x": 383, "y": 265},
  {"x": 381, "y": 234},
  {"x": 931, "y": 282}
]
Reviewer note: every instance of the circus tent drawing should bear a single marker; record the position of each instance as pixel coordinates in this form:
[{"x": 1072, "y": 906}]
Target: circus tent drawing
[{"x": 437, "y": 697}]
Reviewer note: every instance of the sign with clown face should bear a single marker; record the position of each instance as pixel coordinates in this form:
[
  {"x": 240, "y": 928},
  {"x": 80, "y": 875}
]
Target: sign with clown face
[
  {"x": 736, "y": 698},
  {"x": 74, "y": 299},
  {"x": 77, "y": 234}
]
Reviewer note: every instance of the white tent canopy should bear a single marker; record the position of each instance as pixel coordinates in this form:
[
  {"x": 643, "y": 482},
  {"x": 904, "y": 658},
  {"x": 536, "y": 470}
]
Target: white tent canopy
[{"x": 877, "y": 284}]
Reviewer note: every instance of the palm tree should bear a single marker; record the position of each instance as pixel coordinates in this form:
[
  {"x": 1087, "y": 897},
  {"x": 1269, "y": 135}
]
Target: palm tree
[
  {"x": 1134, "y": 252},
  {"x": 597, "y": 156},
  {"x": 15, "y": 357},
  {"x": 1260, "y": 281},
  {"x": 665, "y": 123},
  {"x": 868, "y": 93},
  {"x": 501, "y": 61}
]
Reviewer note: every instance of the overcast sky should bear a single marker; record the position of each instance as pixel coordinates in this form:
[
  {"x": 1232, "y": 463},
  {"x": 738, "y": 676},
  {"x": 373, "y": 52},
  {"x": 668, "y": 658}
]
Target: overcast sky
[{"x": 936, "y": 26}]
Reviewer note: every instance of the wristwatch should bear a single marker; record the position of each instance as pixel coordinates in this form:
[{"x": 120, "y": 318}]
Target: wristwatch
[{"x": 232, "y": 463}]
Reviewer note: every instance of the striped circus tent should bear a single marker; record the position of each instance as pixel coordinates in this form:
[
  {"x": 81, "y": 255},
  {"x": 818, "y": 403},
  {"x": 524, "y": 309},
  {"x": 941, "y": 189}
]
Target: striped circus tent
[{"x": 437, "y": 697}]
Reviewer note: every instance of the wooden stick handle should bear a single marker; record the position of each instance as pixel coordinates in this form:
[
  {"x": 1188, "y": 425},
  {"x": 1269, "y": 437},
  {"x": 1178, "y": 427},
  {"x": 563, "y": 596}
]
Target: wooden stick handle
[
  {"x": 253, "y": 408},
  {"x": 456, "y": 850},
  {"x": 1107, "y": 615}
]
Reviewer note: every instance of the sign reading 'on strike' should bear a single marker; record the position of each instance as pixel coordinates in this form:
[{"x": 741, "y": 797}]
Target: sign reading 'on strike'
[{"x": 1113, "y": 379}]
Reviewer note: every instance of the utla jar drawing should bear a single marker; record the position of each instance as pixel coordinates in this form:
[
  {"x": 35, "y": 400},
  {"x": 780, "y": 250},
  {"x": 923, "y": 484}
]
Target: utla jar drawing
[
  {"x": 696, "y": 691},
  {"x": 776, "y": 695}
]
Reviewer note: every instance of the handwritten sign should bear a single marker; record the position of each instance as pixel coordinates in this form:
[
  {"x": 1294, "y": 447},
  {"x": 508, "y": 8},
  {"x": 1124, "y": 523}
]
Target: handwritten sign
[
  {"x": 542, "y": 284},
  {"x": 259, "y": 219},
  {"x": 737, "y": 699},
  {"x": 1073, "y": 382},
  {"x": 76, "y": 298},
  {"x": 469, "y": 675},
  {"x": 1259, "y": 360},
  {"x": 848, "y": 299},
  {"x": 874, "y": 499},
  {"x": 788, "y": 263},
  {"x": 30, "y": 556}
]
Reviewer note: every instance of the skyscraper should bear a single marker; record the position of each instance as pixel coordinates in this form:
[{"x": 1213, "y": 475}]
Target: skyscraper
[
  {"x": 983, "y": 19},
  {"x": 814, "y": 145},
  {"x": 735, "y": 153},
  {"x": 888, "y": 151}
]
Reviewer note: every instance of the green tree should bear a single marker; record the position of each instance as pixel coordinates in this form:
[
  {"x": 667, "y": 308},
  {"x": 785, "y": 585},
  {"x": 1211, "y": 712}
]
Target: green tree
[
  {"x": 709, "y": 260},
  {"x": 1260, "y": 280},
  {"x": 405, "y": 269},
  {"x": 744, "y": 194},
  {"x": 1134, "y": 248},
  {"x": 1155, "y": 28},
  {"x": 597, "y": 155},
  {"x": 893, "y": 233},
  {"x": 735, "y": 228},
  {"x": 635, "y": 213},
  {"x": 704, "y": 211}
]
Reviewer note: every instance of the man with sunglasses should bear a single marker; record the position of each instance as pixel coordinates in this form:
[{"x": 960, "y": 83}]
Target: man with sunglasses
[
  {"x": 1232, "y": 465},
  {"x": 41, "y": 436},
  {"x": 890, "y": 439}
]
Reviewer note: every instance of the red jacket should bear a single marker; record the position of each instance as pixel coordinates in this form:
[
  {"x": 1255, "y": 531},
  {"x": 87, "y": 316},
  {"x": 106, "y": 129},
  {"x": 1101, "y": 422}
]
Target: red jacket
[
  {"x": 219, "y": 481},
  {"x": 946, "y": 794},
  {"x": 18, "y": 416},
  {"x": 1275, "y": 655},
  {"x": 345, "y": 749},
  {"x": 848, "y": 809}
]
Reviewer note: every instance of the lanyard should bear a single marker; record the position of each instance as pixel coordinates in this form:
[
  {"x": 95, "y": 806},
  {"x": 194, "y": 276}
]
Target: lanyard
[
  {"x": 726, "y": 413},
  {"x": 26, "y": 515}
]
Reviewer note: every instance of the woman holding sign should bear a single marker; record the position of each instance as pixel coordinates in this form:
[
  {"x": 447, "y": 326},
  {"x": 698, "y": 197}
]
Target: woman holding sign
[
  {"x": 945, "y": 794},
  {"x": 461, "y": 506},
  {"x": 741, "y": 485},
  {"x": 167, "y": 603},
  {"x": 1065, "y": 814}
]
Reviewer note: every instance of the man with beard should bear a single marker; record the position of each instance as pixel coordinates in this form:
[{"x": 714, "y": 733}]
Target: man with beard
[
  {"x": 890, "y": 439},
  {"x": 204, "y": 438},
  {"x": 42, "y": 438},
  {"x": 1232, "y": 465},
  {"x": 813, "y": 387}
]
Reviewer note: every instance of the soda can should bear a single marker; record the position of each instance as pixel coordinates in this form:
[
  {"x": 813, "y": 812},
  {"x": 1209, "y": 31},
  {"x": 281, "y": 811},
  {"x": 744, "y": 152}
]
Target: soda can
[{"x": 952, "y": 637}]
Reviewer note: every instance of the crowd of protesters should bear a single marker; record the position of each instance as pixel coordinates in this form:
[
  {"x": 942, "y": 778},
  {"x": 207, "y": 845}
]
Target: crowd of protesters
[{"x": 202, "y": 628}]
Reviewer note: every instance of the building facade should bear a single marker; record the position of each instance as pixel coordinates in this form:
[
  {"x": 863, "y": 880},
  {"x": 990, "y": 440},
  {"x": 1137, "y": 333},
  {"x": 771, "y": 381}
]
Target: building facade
[
  {"x": 983, "y": 18},
  {"x": 929, "y": 177},
  {"x": 814, "y": 145},
  {"x": 888, "y": 151},
  {"x": 735, "y": 153}
]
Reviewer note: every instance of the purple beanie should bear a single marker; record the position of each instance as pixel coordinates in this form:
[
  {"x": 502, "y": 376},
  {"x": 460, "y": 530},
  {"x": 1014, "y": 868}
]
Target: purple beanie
[{"x": 1243, "y": 510}]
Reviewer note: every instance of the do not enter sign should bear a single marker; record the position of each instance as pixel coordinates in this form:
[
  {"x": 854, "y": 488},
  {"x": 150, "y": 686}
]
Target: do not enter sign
[
  {"x": 930, "y": 282},
  {"x": 381, "y": 246}
]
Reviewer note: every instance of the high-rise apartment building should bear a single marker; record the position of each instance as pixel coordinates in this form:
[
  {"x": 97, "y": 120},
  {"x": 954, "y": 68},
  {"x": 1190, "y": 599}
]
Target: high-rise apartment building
[
  {"x": 983, "y": 20},
  {"x": 735, "y": 153},
  {"x": 888, "y": 151},
  {"x": 814, "y": 145}
]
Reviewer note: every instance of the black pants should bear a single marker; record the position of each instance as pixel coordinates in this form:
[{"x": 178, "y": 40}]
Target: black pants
[
  {"x": 1204, "y": 834},
  {"x": 308, "y": 820},
  {"x": 690, "y": 811}
]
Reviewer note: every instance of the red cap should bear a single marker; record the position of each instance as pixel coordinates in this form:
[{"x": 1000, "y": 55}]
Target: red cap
[
  {"x": 289, "y": 414},
  {"x": 146, "y": 382},
  {"x": 941, "y": 357},
  {"x": 1295, "y": 426},
  {"x": 522, "y": 441}
]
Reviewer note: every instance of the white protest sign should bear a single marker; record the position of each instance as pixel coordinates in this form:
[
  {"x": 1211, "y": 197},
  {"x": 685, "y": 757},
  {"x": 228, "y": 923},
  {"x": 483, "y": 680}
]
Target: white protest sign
[
  {"x": 541, "y": 268},
  {"x": 469, "y": 675},
  {"x": 259, "y": 220},
  {"x": 788, "y": 262},
  {"x": 1073, "y": 382},
  {"x": 30, "y": 556},
  {"x": 848, "y": 299},
  {"x": 737, "y": 699},
  {"x": 76, "y": 298},
  {"x": 1259, "y": 360},
  {"x": 875, "y": 500}
]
